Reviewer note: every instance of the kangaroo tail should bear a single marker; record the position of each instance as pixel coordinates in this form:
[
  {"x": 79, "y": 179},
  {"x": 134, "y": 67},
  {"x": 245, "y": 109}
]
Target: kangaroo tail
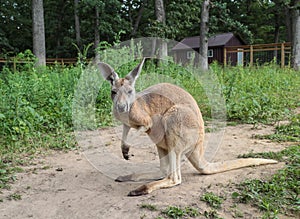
[{"x": 218, "y": 167}]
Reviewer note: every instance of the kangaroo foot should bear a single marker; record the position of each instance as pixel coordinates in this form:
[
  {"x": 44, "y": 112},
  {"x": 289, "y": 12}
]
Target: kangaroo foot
[{"x": 142, "y": 190}]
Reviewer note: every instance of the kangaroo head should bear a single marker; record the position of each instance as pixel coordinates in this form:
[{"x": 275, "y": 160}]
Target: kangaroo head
[{"x": 122, "y": 89}]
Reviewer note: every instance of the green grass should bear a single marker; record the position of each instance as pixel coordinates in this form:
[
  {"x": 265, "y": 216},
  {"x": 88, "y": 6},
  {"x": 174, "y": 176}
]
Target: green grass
[
  {"x": 265, "y": 94},
  {"x": 149, "y": 207},
  {"x": 37, "y": 104},
  {"x": 280, "y": 193},
  {"x": 6, "y": 174},
  {"x": 212, "y": 200},
  {"x": 177, "y": 212},
  {"x": 288, "y": 132},
  {"x": 35, "y": 114},
  {"x": 212, "y": 214},
  {"x": 174, "y": 212},
  {"x": 15, "y": 196}
]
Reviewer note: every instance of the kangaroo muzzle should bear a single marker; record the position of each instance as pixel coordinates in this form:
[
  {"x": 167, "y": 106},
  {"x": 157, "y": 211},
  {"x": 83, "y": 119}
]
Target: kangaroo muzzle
[{"x": 122, "y": 108}]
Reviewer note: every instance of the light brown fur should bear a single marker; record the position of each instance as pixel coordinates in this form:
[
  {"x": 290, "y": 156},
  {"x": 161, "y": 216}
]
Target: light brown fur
[{"x": 173, "y": 121}]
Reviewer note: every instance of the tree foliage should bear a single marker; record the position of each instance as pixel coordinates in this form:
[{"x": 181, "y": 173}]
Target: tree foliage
[{"x": 258, "y": 21}]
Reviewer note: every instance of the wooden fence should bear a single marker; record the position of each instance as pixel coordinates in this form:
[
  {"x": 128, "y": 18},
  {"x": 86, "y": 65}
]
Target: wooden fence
[
  {"x": 246, "y": 55},
  {"x": 48, "y": 60},
  {"x": 258, "y": 54},
  {"x": 14, "y": 61}
]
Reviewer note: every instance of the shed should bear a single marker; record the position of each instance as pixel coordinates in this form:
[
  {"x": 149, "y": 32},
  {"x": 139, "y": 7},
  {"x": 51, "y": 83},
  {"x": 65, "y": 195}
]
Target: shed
[{"x": 186, "y": 49}]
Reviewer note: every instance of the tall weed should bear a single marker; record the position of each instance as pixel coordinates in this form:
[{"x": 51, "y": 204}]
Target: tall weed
[
  {"x": 34, "y": 104},
  {"x": 264, "y": 94},
  {"x": 37, "y": 104},
  {"x": 280, "y": 193}
]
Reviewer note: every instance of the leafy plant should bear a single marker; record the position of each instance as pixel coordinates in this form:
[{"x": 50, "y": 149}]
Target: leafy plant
[
  {"x": 36, "y": 113},
  {"x": 6, "y": 174},
  {"x": 288, "y": 132},
  {"x": 177, "y": 212},
  {"x": 212, "y": 214},
  {"x": 280, "y": 194},
  {"x": 38, "y": 106},
  {"x": 265, "y": 94},
  {"x": 192, "y": 212},
  {"x": 174, "y": 212},
  {"x": 212, "y": 200},
  {"x": 149, "y": 207},
  {"x": 15, "y": 196}
]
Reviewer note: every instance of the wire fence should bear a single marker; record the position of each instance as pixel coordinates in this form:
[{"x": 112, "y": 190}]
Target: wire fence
[{"x": 258, "y": 54}]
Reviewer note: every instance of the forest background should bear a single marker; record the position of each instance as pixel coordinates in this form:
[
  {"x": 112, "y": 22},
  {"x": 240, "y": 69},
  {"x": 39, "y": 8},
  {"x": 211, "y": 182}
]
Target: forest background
[{"x": 78, "y": 22}]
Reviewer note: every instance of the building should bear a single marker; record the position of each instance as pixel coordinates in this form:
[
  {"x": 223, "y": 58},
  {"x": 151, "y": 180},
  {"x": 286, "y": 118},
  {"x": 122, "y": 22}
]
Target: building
[{"x": 188, "y": 48}]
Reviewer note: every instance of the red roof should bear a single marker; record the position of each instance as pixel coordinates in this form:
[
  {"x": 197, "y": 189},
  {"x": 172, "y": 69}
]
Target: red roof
[{"x": 193, "y": 42}]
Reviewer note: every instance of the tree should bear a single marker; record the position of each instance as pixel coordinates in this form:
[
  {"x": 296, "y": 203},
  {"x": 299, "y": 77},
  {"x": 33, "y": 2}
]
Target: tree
[
  {"x": 229, "y": 16},
  {"x": 97, "y": 35},
  {"x": 203, "y": 62},
  {"x": 39, "y": 48},
  {"x": 15, "y": 20},
  {"x": 77, "y": 24},
  {"x": 138, "y": 19},
  {"x": 59, "y": 28},
  {"x": 296, "y": 34},
  {"x": 74, "y": 21},
  {"x": 183, "y": 19},
  {"x": 161, "y": 19}
]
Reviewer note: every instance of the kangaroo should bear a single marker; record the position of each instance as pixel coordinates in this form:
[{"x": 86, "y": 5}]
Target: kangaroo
[{"x": 173, "y": 121}]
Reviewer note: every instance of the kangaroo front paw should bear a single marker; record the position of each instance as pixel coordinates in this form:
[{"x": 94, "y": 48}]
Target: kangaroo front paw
[
  {"x": 143, "y": 129},
  {"x": 125, "y": 155},
  {"x": 143, "y": 190},
  {"x": 125, "y": 150}
]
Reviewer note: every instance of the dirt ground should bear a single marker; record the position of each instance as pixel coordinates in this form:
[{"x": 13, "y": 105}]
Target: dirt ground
[{"x": 80, "y": 184}]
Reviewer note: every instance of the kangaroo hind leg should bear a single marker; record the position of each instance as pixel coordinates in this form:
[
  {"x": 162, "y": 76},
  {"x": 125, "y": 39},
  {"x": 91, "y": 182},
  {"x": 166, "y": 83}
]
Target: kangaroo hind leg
[
  {"x": 197, "y": 160},
  {"x": 173, "y": 178},
  {"x": 180, "y": 137},
  {"x": 155, "y": 175}
]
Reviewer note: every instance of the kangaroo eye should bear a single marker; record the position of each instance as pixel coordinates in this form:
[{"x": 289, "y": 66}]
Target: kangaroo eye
[
  {"x": 113, "y": 93},
  {"x": 129, "y": 92}
]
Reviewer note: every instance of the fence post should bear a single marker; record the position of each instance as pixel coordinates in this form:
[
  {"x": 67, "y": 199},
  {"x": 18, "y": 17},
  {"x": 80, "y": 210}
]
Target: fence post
[
  {"x": 240, "y": 57},
  {"x": 15, "y": 64},
  {"x": 251, "y": 55},
  {"x": 225, "y": 56},
  {"x": 282, "y": 55}
]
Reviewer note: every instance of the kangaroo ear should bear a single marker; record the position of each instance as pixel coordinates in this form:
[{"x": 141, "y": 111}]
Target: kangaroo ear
[
  {"x": 134, "y": 74},
  {"x": 108, "y": 72}
]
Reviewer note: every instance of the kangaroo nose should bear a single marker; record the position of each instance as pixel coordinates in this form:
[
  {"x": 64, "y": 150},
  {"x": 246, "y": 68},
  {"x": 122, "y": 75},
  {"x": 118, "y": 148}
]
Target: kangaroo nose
[{"x": 121, "y": 108}]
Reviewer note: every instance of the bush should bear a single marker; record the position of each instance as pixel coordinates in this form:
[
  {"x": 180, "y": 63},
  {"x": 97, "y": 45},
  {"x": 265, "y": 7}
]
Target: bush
[
  {"x": 264, "y": 94},
  {"x": 37, "y": 104}
]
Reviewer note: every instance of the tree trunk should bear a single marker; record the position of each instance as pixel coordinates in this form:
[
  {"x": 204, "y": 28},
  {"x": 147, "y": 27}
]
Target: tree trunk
[
  {"x": 59, "y": 51},
  {"x": 39, "y": 48},
  {"x": 203, "y": 47},
  {"x": 296, "y": 35},
  {"x": 77, "y": 24},
  {"x": 138, "y": 19},
  {"x": 153, "y": 47},
  {"x": 288, "y": 24},
  {"x": 160, "y": 11},
  {"x": 161, "y": 18},
  {"x": 276, "y": 33},
  {"x": 97, "y": 35}
]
